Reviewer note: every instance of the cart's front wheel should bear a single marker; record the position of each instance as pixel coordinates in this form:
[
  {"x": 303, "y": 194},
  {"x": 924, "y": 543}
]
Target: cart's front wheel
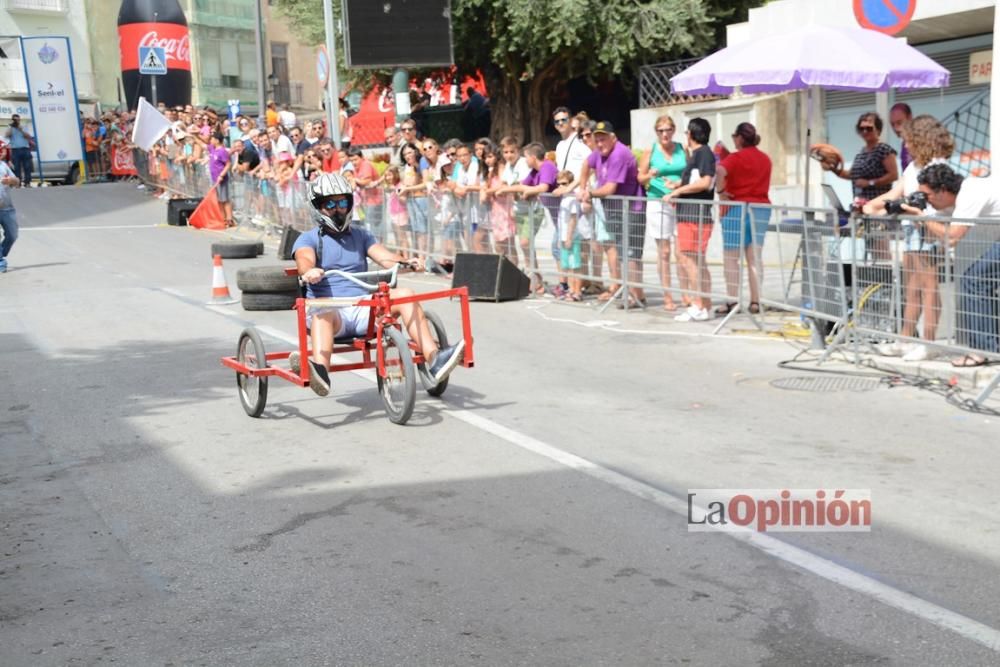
[
  {"x": 252, "y": 389},
  {"x": 397, "y": 378},
  {"x": 433, "y": 387}
]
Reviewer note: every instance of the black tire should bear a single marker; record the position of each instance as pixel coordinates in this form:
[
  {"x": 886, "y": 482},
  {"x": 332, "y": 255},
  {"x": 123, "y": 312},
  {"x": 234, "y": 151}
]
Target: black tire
[
  {"x": 252, "y": 390},
  {"x": 259, "y": 279},
  {"x": 236, "y": 249},
  {"x": 269, "y": 300},
  {"x": 73, "y": 177},
  {"x": 398, "y": 389},
  {"x": 426, "y": 379}
]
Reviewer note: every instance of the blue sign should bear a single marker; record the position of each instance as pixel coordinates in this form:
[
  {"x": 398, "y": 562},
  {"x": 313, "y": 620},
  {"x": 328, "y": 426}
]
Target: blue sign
[
  {"x": 152, "y": 60},
  {"x": 888, "y": 16},
  {"x": 234, "y": 109}
]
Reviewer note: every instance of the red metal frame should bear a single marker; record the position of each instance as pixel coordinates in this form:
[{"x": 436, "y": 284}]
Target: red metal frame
[{"x": 380, "y": 317}]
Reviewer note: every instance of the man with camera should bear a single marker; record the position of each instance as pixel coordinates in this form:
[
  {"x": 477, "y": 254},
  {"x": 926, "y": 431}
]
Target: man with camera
[{"x": 978, "y": 303}]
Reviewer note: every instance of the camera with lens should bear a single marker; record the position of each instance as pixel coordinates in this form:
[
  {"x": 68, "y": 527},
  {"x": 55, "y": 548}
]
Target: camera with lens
[{"x": 917, "y": 200}]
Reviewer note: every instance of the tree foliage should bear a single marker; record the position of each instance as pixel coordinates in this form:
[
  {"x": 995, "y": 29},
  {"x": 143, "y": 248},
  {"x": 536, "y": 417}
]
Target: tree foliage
[{"x": 525, "y": 48}]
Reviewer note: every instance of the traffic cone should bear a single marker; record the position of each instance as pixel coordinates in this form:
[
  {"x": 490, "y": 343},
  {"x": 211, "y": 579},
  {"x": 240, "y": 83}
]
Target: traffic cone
[{"x": 220, "y": 291}]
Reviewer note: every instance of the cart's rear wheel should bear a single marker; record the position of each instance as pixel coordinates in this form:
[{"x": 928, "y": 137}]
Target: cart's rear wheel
[
  {"x": 437, "y": 331},
  {"x": 399, "y": 386},
  {"x": 252, "y": 390}
]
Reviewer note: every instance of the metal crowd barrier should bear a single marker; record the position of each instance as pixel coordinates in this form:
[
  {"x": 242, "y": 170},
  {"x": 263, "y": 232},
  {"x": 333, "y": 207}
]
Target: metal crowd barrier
[{"x": 860, "y": 282}]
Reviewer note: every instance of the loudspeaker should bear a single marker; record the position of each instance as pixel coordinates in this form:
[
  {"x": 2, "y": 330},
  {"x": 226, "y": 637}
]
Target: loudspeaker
[
  {"x": 404, "y": 34},
  {"x": 175, "y": 207},
  {"x": 489, "y": 277},
  {"x": 288, "y": 237}
]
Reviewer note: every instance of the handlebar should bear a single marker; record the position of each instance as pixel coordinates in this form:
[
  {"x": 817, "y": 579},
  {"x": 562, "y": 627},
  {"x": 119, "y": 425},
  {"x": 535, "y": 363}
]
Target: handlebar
[{"x": 359, "y": 278}]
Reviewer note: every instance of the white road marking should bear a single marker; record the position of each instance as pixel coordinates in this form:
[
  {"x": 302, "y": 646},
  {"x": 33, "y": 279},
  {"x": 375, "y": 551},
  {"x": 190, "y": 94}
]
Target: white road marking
[{"x": 821, "y": 567}]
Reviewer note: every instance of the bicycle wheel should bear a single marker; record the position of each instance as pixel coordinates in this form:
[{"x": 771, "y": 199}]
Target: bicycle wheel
[
  {"x": 252, "y": 390},
  {"x": 426, "y": 379},
  {"x": 399, "y": 387}
]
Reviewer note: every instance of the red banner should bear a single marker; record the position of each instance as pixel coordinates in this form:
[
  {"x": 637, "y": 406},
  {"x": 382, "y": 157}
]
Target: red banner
[{"x": 122, "y": 163}]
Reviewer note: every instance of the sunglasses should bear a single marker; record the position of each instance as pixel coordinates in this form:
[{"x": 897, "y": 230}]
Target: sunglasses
[
  {"x": 430, "y": 148},
  {"x": 331, "y": 204},
  {"x": 586, "y": 134},
  {"x": 452, "y": 154},
  {"x": 866, "y": 128},
  {"x": 563, "y": 183},
  {"x": 560, "y": 121},
  {"x": 664, "y": 130},
  {"x": 408, "y": 129}
]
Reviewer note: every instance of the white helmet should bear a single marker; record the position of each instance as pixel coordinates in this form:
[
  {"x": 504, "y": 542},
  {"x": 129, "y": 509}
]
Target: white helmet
[{"x": 336, "y": 219}]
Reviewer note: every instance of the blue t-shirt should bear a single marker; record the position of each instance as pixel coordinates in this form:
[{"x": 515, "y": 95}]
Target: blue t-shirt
[
  {"x": 5, "y": 200},
  {"x": 18, "y": 139},
  {"x": 346, "y": 252}
]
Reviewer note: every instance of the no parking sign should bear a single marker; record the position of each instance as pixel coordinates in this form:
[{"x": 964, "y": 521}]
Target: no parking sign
[{"x": 888, "y": 16}]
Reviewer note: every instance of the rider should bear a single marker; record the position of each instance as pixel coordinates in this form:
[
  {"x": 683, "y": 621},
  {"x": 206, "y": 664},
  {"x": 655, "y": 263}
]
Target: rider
[{"x": 339, "y": 246}]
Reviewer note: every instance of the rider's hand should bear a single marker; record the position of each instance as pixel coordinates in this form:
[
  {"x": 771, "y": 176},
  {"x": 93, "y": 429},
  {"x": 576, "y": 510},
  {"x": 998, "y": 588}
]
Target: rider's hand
[
  {"x": 415, "y": 264},
  {"x": 313, "y": 275}
]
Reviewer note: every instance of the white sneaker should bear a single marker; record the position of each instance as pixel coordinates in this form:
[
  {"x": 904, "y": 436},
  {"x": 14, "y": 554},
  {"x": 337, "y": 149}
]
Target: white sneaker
[
  {"x": 892, "y": 349},
  {"x": 693, "y": 314},
  {"x": 920, "y": 353}
]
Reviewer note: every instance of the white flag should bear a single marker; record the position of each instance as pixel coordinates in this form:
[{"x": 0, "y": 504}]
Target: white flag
[{"x": 149, "y": 126}]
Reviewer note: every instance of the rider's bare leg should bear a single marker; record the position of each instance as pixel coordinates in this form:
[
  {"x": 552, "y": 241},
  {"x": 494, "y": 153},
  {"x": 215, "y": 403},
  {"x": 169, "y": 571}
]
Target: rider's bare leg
[
  {"x": 415, "y": 322},
  {"x": 324, "y": 326}
]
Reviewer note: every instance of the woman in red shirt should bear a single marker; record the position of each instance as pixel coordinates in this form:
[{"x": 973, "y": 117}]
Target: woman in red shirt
[{"x": 744, "y": 176}]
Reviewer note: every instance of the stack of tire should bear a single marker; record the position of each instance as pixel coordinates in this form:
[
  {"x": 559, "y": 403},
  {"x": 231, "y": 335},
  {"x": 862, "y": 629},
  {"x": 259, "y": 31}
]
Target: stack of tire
[
  {"x": 238, "y": 249},
  {"x": 267, "y": 288}
]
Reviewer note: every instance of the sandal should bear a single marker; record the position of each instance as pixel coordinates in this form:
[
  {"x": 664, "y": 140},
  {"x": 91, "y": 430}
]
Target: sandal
[
  {"x": 755, "y": 308},
  {"x": 722, "y": 311},
  {"x": 633, "y": 304},
  {"x": 970, "y": 361},
  {"x": 606, "y": 295},
  {"x": 670, "y": 307}
]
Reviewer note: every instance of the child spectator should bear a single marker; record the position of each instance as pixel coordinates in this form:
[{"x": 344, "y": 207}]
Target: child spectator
[
  {"x": 397, "y": 210},
  {"x": 447, "y": 211},
  {"x": 501, "y": 206},
  {"x": 570, "y": 238}
]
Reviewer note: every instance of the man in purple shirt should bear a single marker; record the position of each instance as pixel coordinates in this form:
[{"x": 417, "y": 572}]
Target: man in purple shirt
[
  {"x": 218, "y": 168},
  {"x": 540, "y": 180},
  {"x": 618, "y": 175}
]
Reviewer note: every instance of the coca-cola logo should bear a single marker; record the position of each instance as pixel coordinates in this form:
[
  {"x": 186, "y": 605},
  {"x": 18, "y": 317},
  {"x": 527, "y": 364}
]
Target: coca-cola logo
[
  {"x": 121, "y": 161},
  {"x": 171, "y": 37},
  {"x": 176, "y": 49}
]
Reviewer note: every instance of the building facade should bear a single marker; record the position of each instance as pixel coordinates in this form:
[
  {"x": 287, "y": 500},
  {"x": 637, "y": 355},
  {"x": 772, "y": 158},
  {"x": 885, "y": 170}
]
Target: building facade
[
  {"x": 292, "y": 63},
  {"x": 31, "y": 18}
]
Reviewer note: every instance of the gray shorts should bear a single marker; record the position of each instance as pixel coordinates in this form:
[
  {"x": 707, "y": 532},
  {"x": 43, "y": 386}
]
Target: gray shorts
[{"x": 222, "y": 190}]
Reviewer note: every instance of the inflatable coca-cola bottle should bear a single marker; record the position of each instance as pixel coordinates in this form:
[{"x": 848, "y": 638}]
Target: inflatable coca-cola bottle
[{"x": 155, "y": 23}]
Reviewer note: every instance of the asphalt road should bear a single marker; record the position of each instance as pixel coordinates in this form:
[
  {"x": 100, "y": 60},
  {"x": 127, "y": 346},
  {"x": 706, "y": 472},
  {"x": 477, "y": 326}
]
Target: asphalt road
[{"x": 533, "y": 516}]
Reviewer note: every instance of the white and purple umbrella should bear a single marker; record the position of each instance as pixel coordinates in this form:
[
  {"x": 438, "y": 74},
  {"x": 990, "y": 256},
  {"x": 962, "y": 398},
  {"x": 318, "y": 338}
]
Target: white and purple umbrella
[
  {"x": 834, "y": 58},
  {"x": 842, "y": 58}
]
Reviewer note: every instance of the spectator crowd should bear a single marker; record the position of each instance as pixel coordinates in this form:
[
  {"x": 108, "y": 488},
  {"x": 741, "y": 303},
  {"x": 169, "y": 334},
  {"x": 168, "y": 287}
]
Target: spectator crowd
[{"x": 603, "y": 198}]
